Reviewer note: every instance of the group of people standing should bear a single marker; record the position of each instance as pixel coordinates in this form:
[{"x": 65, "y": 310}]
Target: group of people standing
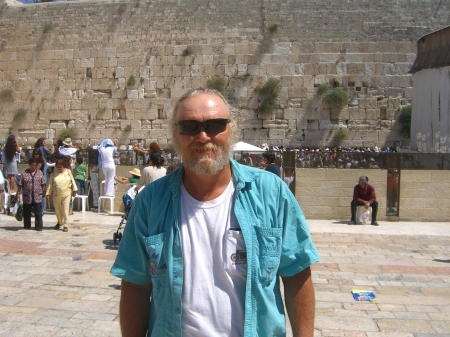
[{"x": 33, "y": 189}]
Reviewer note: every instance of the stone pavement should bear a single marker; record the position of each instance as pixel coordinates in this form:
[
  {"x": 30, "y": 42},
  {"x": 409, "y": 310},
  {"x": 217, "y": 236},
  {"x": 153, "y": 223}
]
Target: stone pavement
[{"x": 58, "y": 284}]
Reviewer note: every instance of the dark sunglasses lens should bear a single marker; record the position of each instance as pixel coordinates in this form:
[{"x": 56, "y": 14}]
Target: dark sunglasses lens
[
  {"x": 215, "y": 126},
  {"x": 211, "y": 126},
  {"x": 190, "y": 128}
]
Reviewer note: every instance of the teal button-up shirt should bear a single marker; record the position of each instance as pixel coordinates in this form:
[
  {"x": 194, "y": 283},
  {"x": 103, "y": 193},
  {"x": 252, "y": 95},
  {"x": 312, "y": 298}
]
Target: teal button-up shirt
[{"x": 277, "y": 239}]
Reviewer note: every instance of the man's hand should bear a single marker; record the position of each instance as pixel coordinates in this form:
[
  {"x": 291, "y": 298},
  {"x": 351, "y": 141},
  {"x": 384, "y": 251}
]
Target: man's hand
[
  {"x": 134, "y": 309},
  {"x": 300, "y": 303},
  {"x": 367, "y": 204}
]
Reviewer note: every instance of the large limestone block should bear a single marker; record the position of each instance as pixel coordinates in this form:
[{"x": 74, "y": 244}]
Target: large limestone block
[{"x": 255, "y": 134}]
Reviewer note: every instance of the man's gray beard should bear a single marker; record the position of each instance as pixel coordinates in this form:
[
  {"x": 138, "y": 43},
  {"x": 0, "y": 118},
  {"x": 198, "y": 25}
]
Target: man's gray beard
[
  {"x": 200, "y": 167},
  {"x": 223, "y": 155}
]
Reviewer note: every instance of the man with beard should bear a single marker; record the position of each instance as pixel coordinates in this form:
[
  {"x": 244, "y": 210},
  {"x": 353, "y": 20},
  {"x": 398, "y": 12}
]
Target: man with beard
[{"x": 204, "y": 247}]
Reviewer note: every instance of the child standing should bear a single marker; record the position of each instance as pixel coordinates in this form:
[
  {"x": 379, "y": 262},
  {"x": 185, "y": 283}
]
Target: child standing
[{"x": 79, "y": 173}]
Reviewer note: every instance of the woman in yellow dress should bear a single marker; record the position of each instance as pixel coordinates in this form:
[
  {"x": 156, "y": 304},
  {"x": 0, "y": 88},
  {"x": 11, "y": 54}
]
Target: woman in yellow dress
[{"x": 62, "y": 188}]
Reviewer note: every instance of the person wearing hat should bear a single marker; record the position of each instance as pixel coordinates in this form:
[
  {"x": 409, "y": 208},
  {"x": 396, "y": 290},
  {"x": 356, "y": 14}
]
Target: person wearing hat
[
  {"x": 135, "y": 175},
  {"x": 364, "y": 194},
  {"x": 67, "y": 148}
]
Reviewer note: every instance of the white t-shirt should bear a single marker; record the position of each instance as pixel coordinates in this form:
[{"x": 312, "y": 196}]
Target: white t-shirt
[{"x": 215, "y": 266}]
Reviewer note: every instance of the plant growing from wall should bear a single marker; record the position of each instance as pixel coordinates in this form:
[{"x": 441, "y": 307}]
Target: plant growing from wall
[
  {"x": 131, "y": 81},
  {"x": 187, "y": 52},
  {"x": 217, "y": 83},
  {"x": 340, "y": 134},
  {"x": 6, "y": 95},
  {"x": 273, "y": 27},
  {"x": 268, "y": 93},
  {"x": 322, "y": 89},
  {"x": 20, "y": 115},
  {"x": 242, "y": 77},
  {"x": 121, "y": 9},
  {"x": 67, "y": 133},
  {"x": 47, "y": 27},
  {"x": 101, "y": 111},
  {"x": 405, "y": 121},
  {"x": 336, "y": 98},
  {"x": 127, "y": 128}
]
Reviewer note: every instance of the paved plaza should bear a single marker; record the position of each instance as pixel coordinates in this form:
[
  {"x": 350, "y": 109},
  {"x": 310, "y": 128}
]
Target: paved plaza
[{"x": 58, "y": 284}]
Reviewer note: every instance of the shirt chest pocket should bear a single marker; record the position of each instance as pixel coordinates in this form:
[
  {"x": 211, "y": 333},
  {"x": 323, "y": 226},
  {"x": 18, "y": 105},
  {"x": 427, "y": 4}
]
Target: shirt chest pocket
[
  {"x": 157, "y": 260},
  {"x": 235, "y": 259},
  {"x": 267, "y": 245}
]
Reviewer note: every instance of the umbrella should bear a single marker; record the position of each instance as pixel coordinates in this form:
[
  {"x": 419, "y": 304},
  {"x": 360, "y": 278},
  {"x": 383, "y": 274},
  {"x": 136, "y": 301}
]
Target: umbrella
[{"x": 245, "y": 147}]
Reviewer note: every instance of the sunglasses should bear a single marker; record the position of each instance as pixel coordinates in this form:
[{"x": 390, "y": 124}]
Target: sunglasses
[{"x": 211, "y": 126}]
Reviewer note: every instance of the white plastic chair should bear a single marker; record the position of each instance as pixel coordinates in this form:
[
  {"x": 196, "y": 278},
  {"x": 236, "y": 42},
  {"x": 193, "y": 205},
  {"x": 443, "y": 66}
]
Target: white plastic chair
[
  {"x": 83, "y": 198},
  {"x": 102, "y": 198}
]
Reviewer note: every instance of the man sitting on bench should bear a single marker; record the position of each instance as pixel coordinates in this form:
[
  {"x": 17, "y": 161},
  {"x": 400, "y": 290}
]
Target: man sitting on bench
[{"x": 364, "y": 194}]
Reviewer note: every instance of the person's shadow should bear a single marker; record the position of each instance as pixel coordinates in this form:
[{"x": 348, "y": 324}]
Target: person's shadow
[
  {"x": 109, "y": 244},
  {"x": 12, "y": 228},
  {"x": 443, "y": 261}
]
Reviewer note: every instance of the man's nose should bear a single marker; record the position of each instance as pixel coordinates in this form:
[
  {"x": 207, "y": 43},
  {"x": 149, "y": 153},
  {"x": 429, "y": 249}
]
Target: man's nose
[{"x": 203, "y": 136}]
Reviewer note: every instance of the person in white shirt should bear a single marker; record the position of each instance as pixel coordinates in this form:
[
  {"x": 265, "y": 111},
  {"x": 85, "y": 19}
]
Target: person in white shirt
[
  {"x": 107, "y": 149},
  {"x": 152, "y": 172}
]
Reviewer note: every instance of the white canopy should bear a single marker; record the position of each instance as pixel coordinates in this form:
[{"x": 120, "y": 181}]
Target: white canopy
[{"x": 245, "y": 147}]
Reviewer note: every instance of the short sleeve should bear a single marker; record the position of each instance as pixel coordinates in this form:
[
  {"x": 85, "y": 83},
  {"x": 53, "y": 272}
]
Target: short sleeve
[{"x": 298, "y": 250}]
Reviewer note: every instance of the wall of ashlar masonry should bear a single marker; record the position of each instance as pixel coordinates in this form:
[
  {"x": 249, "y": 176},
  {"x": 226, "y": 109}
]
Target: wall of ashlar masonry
[
  {"x": 327, "y": 193},
  {"x": 77, "y": 74}
]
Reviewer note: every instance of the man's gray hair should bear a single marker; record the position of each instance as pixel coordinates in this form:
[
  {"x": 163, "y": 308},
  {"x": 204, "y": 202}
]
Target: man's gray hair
[
  {"x": 364, "y": 179},
  {"x": 193, "y": 92}
]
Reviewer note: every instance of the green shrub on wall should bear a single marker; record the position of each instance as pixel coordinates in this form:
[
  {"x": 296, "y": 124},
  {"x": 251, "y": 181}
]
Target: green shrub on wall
[
  {"x": 340, "y": 135},
  {"x": 322, "y": 89},
  {"x": 336, "y": 98},
  {"x": 131, "y": 81},
  {"x": 20, "y": 115},
  {"x": 273, "y": 27},
  {"x": 269, "y": 92},
  {"x": 67, "y": 133},
  {"x": 217, "y": 83},
  {"x": 6, "y": 95},
  {"x": 127, "y": 129},
  {"x": 405, "y": 121},
  {"x": 47, "y": 27}
]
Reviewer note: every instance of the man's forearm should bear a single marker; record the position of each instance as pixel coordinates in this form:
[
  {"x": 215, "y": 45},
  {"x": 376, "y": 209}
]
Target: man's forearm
[
  {"x": 134, "y": 309},
  {"x": 300, "y": 303}
]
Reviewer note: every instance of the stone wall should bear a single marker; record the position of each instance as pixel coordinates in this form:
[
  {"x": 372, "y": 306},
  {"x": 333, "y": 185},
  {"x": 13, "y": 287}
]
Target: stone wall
[
  {"x": 115, "y": 68},
  {"x": 327, "y": 193}
]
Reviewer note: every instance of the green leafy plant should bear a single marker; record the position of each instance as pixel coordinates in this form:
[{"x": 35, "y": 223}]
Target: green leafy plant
[
  {"x": 20, "y": 114},
  {"x": 187, "y": 52},
  {"x": 336, "y": 98},
  {"x": 269, "y": 92},
  {"x": 101, "y": 111},
  {"x": 322, "y": 89},
  {"x": 242, "y": 77},
  {"x": 6, "y": 95},
  {"x": 273, "y": 27},
  {"x": 405, "y": 121},
  {"x": 67, "y": 133},
  {"x": 131, "y": 81},
  {"x": 340, "y": 134},
  {"x": 121, "y": 9},
  {"x": 217, "y": 83},
  {"x": 47, "y": 27},
  {"x": 127, "y": 128}
]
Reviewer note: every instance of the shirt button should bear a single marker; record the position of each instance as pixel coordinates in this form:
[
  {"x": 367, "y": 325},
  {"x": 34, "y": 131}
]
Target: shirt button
[{"x": 177, "y": 310}]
